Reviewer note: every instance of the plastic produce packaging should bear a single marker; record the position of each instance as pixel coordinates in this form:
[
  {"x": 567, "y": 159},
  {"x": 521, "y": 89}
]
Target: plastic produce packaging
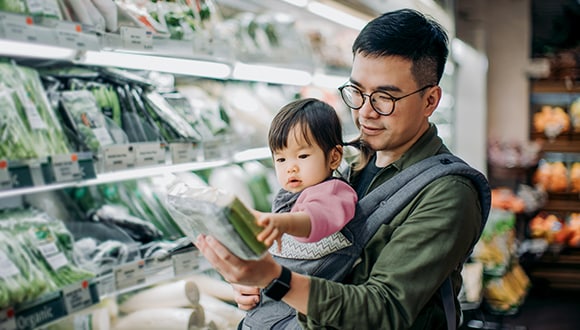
[{"x": 211, "y": 211}]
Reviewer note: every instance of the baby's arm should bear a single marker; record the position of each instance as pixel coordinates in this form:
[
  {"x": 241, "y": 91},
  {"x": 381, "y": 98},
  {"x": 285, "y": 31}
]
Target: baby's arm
[{"x": 275, "y": 224}]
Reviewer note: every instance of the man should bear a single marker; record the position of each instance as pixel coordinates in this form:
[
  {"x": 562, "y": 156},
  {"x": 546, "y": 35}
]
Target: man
[{"x": 393, "y": 89}]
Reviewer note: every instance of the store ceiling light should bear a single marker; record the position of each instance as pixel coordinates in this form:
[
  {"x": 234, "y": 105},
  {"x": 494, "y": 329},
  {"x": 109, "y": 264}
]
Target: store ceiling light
[
  {"x": 269, "y": 74},
  {"x": 180, "y": 66},
  {"x": 336, "y": 15},
  {"x": 24, "y": 49},
  {"x": 297, "y": 3},
  {"x": 328, "y": 81}
]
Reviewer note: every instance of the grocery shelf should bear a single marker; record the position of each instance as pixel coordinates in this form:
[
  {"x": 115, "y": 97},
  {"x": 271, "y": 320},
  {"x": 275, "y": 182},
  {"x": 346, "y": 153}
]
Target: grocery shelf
[
  {"x": 54, "y": 306},
  {"x": 143, "y": 172}
]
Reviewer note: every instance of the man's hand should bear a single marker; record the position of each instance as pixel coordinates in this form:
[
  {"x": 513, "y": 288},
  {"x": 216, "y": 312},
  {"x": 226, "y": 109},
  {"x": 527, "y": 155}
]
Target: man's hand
[
  {"x": 257, "y": 273},
  {"x": 247, "y": 297}
]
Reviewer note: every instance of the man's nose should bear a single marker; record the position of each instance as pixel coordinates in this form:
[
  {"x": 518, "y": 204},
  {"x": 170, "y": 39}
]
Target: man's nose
[{"x": 367, "y": 111}]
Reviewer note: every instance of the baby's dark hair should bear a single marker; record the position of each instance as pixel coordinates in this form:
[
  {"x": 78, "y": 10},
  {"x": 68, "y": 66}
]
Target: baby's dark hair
[{"x": 310, "y": 114}]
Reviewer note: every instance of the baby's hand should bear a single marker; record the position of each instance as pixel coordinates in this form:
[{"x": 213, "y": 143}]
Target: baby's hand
[{"x": 271, "y": 231}]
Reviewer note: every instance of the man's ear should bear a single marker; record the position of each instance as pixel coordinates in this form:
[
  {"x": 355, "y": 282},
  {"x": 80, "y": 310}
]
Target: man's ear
[
  {"x": 432, "y": 98},
  {"x": 335, "y": 157}
]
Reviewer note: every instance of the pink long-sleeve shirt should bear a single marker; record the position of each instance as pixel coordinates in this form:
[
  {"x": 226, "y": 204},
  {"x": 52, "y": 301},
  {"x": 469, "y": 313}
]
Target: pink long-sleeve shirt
[{"x": 330, "y": 205}]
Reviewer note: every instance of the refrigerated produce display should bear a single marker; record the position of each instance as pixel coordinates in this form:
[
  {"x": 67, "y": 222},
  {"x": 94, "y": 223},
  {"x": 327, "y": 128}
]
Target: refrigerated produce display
[{"x": 104, "y": 104}]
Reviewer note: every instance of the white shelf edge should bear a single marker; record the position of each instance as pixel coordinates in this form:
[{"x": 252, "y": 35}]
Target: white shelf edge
[{"x": 143, "y": 172}]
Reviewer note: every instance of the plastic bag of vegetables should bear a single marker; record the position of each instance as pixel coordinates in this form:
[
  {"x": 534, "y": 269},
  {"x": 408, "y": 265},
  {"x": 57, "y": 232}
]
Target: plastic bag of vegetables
[
  {"x": 211, "y": 211},
  {"x": 86, "y": 119},
  {"x": 34, "y": 109},
  {"x": 21, "y": 280},
  {"x": 49, "y": 245}
]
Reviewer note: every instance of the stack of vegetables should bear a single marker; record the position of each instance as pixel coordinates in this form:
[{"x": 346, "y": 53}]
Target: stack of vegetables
[
  {"x": 556, "y": 228},
  {"x": 552, "y": 121},
  {"x": 47, "y": 9},
  {"x": 29, "y": 127},
  {"x": 179, "y": 20},
  {"x": 37, "y": 256},
  {"x": 196, "y": 302},
  {"x": 505, "y": 284},
  {"x": 109, "y": 106},
  {"x": 137, "y": 207}
]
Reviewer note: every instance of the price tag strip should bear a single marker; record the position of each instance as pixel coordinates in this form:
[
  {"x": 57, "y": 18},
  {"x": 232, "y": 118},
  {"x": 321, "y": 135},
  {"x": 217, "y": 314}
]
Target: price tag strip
[
  {"x": 158, "y": 269},
  {"x": 70, "y": 35},
  {"x": 184, "y": 152},
  {"x": 130, "y": 275},
  {"x": 66, "y": 168},
  {"x": 80, "y": 296},
  {"x": 186, "y": 263},
  {"x": 147, "y": 154},
  {"x": 214, "y": 149},
  {"x": 136, "y": 38},
  {"x": 7, "y": 319},
  {"x": 119, "y": 157},
  {"x": 18, "y": 27},
  {"x": 5, "y": 179}
]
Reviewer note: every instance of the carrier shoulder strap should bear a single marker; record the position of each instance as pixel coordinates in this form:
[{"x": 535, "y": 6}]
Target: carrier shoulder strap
[{"x": 397, "y": 192}]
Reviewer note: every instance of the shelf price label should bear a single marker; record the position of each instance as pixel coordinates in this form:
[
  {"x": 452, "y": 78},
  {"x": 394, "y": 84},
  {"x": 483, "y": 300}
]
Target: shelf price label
[
  {"x": 7, "y": 319},
  {"x": 186, "y": 263},
  {"x": 119, "y": 157},
  {"x": 79, "y": 296},
  {"x": 130, "y": 275},
  {"x": 70, "y": 35},
  {"x": 184, "y": 152},
  {"x": 66, "y": 168},
  {"x": 213, "y": 149},
  {"x": 18, "y": 27},
  {"x": 149, "y": 154},
  {"x": 158, "y": 269},
  {"x": 106, "y": 284},
  {"x": 136, "y": 38},
  {"x": 5, "y": 179}
]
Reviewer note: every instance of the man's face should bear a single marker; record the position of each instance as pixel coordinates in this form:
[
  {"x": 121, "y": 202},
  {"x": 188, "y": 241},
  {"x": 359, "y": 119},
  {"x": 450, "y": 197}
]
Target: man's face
[{"x": 392, "y": 134}]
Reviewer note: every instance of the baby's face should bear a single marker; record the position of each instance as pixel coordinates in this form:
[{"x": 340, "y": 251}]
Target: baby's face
[{"x": 300, "y": 165}]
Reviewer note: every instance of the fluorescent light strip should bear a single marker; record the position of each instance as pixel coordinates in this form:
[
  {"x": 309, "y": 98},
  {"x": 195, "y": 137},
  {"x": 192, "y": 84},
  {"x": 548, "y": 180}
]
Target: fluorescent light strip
[
  {"x": 270, "y": 74},
  {"x": 336, "y": 15},
  {"x": 297, "y": 3},
  {"x": 328, "y": 81},
  {"x": 158, "y": 63},
  {"x": 24, "y": 49}
]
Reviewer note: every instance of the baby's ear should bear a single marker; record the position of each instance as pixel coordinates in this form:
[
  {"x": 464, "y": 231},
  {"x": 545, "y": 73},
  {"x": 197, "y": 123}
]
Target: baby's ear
[{"x": 335, "y": 157}]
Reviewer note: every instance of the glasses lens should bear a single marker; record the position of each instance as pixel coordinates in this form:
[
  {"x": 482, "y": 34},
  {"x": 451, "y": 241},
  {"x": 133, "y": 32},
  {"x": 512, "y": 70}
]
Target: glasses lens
[
  {"x": 352, "y": 97},
  {"x": 382, "y": 102}
]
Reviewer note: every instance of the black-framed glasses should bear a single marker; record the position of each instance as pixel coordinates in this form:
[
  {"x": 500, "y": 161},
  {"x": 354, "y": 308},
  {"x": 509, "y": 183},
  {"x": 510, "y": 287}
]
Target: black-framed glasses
[{"x": 382, "y": 102}]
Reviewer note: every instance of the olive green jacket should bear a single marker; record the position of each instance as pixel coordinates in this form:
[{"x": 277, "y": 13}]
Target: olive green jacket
[{"x": 396, "y": 283}]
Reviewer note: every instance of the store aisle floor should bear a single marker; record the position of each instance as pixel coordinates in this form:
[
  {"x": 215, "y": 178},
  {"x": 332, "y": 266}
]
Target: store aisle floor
[{"x": 542, "y": 310}]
